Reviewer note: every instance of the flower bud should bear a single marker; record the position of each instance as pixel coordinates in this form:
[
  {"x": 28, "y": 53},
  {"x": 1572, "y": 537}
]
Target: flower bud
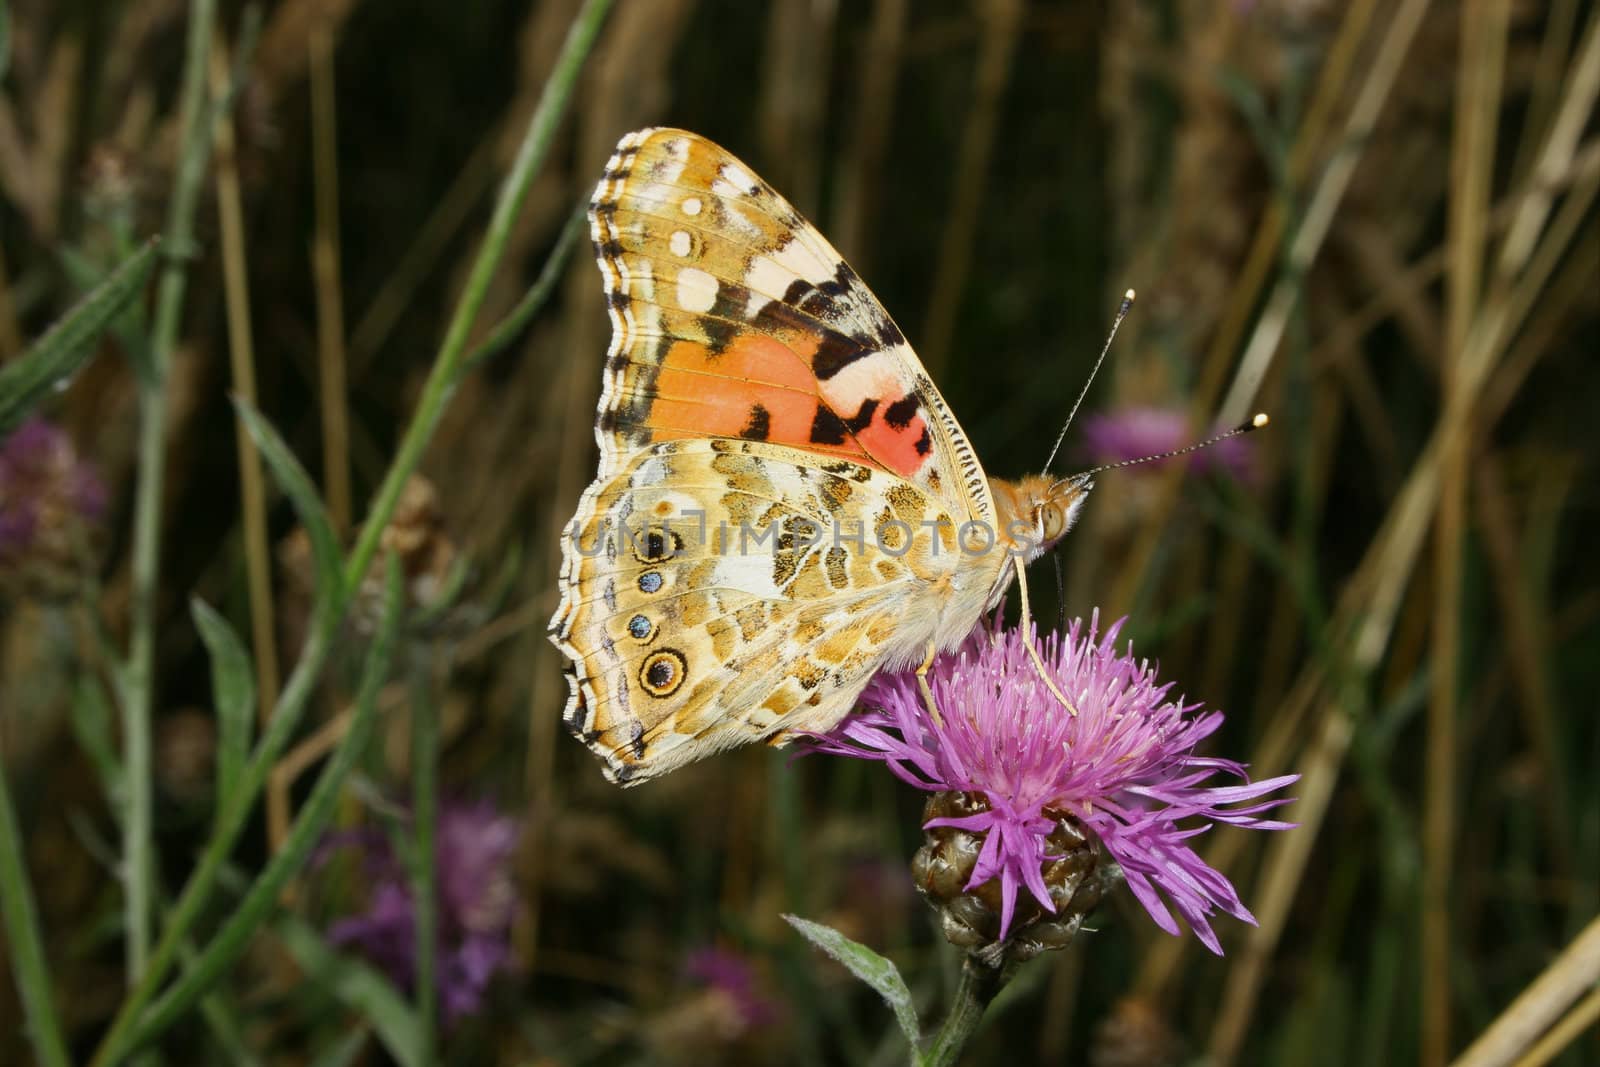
[
  {"x": 1075, "y": 872},
  {"x": 51, "y": 507}
]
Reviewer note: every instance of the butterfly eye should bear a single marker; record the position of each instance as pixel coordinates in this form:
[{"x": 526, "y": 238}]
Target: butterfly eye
[{"x": 1052, "y": 522}]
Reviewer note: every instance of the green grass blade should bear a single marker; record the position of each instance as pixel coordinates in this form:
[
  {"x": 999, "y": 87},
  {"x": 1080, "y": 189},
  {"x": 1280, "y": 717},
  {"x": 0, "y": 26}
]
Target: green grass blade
[
  {"x": 538, "y": 294},
  {"x": 355, "y": 984},
  {"x": 233, "y": 691},
  {"x": 22, "y": 937},
  {"x": 234, "y": 937},
  {"x": 69, "y": 344},
  {"x": 343, "y": 1052},
  {"x": 297, "y": 486},
  {"x": 445, "y": 375}
]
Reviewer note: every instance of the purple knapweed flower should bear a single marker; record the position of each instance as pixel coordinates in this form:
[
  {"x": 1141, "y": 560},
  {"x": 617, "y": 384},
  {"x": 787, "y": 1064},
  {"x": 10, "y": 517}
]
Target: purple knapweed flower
[
  {"x": 1124, "y": 766},
  {"x": 476, "y": 897},
  {"x": 1136, "y": 432},
  {"x": 46, "y": 492}
]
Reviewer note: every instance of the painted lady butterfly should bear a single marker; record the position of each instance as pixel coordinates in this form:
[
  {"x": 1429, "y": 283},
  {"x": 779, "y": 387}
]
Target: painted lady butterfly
[{"x": 785, "y": 505}]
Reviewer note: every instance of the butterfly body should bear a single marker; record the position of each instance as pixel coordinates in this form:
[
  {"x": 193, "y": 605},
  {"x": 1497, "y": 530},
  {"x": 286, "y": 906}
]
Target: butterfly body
[{"x": 784, "y": 505}]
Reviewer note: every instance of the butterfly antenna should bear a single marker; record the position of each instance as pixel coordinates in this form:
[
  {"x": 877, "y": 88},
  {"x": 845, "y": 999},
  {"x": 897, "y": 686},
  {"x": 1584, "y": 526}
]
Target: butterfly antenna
[
  {"x": 1122, "y": 313},
  {"x": 1255, "y": 423}
]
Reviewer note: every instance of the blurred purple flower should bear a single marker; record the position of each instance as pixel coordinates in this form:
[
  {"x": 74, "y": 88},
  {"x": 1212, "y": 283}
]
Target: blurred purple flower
[
  {"x": 476, "y": 897},
  {"x": 1124, "y": 766},
  {"x": 45, "y": 489},
  {"x": 732, "y": 975},
  {"x": 1135, "y": 432}
]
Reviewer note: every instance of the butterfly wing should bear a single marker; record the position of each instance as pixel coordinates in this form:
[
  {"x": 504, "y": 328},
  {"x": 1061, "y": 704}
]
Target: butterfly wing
[
  {"x": 753, "y": 383},
  {"x": 722, "y": 591},
  {"x": 733, "y": 317}
]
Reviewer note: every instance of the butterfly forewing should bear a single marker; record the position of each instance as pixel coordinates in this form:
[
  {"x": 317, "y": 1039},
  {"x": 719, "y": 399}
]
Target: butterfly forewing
[{"x": 734, "y": 317}]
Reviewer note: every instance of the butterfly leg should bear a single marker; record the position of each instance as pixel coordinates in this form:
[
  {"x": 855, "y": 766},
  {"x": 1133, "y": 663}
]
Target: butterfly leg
[
  {"x": 927, "y": 690},
  {"x": 1033, "y": 650}
]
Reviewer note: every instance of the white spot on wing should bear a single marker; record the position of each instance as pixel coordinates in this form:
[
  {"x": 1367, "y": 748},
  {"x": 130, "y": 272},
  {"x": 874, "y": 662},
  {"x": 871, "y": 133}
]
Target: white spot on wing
[
  {"x": 800, "y": 261},
  {"x": 738, "y": 177},
  {"x": 755, "y": 301},
  {"x": 746, "y": 564},
  {"x": 697, "y": 290},
  {"x": 679, "y": 243},
  {"x": 768, "y": 278},
  {"x": 651, "y": 472},
  {"x": 691, "y": 205},
  {"x": 879, "y": 374},
  {"x": 771, "y": 275}
]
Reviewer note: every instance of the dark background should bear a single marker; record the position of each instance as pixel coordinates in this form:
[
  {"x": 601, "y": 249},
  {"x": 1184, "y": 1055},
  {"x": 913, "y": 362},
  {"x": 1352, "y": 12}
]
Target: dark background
[{"x": 998, "y": 172}]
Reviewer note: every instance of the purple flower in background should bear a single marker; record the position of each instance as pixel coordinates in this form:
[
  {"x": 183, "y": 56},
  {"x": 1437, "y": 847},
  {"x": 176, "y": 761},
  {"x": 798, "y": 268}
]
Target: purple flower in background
[
  {"x": 476, "y": 897},
  {"x": 732, "y": 976},
  {"x": 1135, "y": 432},
  {"x": 46, "y": 493},
  {"x": 1124, "y": 766}
]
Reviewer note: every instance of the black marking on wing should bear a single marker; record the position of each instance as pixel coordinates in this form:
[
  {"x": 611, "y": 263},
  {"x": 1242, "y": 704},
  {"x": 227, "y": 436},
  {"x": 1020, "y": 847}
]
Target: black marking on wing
[
  {"x": 759, "y": 425},
  {"x": 827, "y": 428},
  {"x": 899, "y": 414}
]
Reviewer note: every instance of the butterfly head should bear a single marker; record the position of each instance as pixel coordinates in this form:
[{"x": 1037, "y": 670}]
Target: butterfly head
[{"x": 1035, "y": 512}]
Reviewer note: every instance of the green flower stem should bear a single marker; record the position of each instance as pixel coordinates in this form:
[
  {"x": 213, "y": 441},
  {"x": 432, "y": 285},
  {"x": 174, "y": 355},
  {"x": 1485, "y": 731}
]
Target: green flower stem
[
  {"x": 424, "y": 860},
  {"x": 978, "y": 987},
  {"x": 22, "y": 936},
  {"x": 138, "y": 694},
  {"x": 442, "y": 378},
  {"x": 302, "y": 680}
]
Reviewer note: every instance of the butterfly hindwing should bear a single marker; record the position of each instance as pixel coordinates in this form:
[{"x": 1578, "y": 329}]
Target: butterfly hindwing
[{"x": 709, "y": 602}]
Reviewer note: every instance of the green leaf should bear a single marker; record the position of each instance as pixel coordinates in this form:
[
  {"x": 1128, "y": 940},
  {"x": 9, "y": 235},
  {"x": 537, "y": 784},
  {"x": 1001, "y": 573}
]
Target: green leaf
[
  {"x": 297, "y": 486},
  {"x": 128, "y": 326},
  {"x": 879, "y": 973},
  {"x": 83, "y": 272},
  {"x": 69, "y": 344},
  {"x": 373, "y": 997},
  {"x": 92, "y": 724},
  {"x": 233, "y": 691}
]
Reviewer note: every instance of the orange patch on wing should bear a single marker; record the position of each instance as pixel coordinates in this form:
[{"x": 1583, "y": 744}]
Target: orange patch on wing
[
  {"x": 894, "y": 448},
  {"x": 755, "y": 387},
  {"x": 763, "y": 388}
]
